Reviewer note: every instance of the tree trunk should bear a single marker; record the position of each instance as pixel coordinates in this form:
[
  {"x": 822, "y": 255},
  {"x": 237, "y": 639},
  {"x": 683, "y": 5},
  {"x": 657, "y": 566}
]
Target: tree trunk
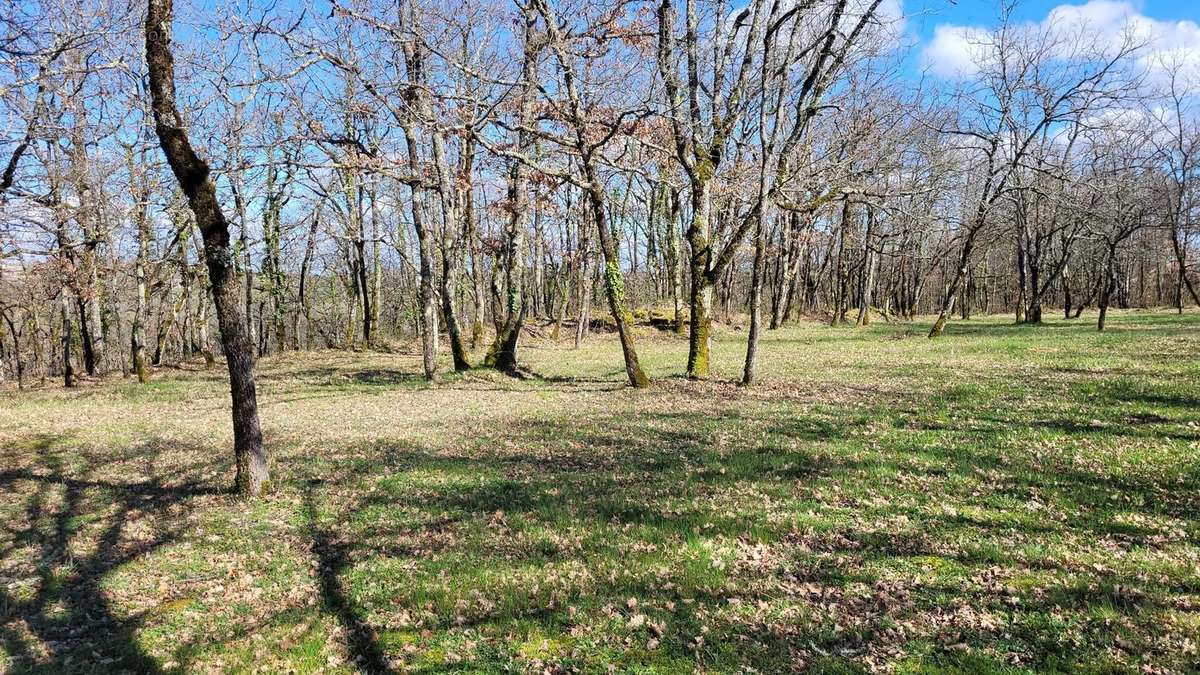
[
  {"x": 305, "y": 310},
  {"x": 1181, "y": 260},
  {"x": 453, "y": 231},
  {"x": 18, "y": 361},
  {"x": 867, "y": 276},
  {"x": 839, "y": 286},
  {"x": 1066, "y": 284},
  {"x": 426, "y": 293},
  {"x": 939, "y": 326},
  {"x": 141, "y": 299},
  {"x": 675, "y": 262},
  {"x": 789, "y": 267},
  {"x": 1110, "y": 284},
  {"x": 475, "y": 246},
  {"x": 750, "y": 370},
  {"x": 458, "y": 349},
  {"x": 700, "y": 297},
  {"x": 585, "y": 291},
  {"x": 192, "y": 173},
  {"x": 614, "y": 282},
  {"x": 68, "y": 369},
  {"x": 273, "y": 275},
  {"x": 562, "y": 285},
  {"x": 503, "y": 354},
  {"x": 1034, "y": 313},
  {"x": 202, "y": 336},
  {"x": 967, "y": 291}
]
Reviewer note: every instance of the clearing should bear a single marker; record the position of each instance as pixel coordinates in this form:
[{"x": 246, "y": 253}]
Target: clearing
[{"x": 1008, "y": 498}]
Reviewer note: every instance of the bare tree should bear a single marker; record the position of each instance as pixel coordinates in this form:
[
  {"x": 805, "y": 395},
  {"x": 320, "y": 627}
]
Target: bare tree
[
  {"x": 1030, "y": 82},
  {"x": 192, "y": 173}
]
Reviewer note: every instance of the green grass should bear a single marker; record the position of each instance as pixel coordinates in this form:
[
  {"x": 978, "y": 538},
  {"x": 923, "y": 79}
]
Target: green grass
[{"x": 1006, "y": 499}]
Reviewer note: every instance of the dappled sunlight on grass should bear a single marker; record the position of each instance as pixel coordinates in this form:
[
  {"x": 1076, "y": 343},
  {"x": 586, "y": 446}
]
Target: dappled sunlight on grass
[{"x": 1006, "y": 498}]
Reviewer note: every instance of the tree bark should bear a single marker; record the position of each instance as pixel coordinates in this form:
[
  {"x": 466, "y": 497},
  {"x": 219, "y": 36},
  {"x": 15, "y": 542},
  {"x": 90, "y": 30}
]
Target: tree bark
[
  {"x": 614, "y": 281},
  {"x": 1110, "y": 284},
  {"x": 867, "y": 275},
  {"x": 68, "y": 368},
  {"x": 939, "y": 326},
  {"x": 675, "y": 262},
  {"x": 192, "y": 173},
  {"x": 503, "y": 353},
  {"x": 750, "y": 369}
]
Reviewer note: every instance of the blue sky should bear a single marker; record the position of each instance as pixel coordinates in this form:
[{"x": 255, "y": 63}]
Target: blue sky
[
  {"x": 947, "y": 32},
  {"x": 983, "y": 12}
]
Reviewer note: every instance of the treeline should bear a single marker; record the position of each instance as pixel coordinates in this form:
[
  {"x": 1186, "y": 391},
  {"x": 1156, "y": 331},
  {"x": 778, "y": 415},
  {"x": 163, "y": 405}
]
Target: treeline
[{"x": 452, "y": 172}]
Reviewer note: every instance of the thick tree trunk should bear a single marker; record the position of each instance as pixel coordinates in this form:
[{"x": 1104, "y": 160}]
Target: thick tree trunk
[
  {"x": 85, "y": 333},
  {"x": 427, "y": 294},
  {"x": 700, "y": 302},
  {"x": 193, "y": 176},
  {"x": 701, "y": 292},
  {"x": 453, "y": 231},
  {"x": 503, "y": 354},
  {"x": 1033, "y": 311}
]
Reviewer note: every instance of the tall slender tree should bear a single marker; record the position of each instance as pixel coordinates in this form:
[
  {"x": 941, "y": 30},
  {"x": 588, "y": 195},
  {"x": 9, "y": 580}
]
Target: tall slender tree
[{"x": 192, "y": 173}]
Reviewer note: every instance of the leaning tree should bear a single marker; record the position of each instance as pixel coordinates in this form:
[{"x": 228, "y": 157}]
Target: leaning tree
[{"x": 192, "y": 173}]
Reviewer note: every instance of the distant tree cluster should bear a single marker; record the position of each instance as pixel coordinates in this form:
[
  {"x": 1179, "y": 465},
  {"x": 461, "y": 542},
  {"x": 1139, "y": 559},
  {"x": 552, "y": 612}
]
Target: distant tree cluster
[{"x": 353, "y": 174}]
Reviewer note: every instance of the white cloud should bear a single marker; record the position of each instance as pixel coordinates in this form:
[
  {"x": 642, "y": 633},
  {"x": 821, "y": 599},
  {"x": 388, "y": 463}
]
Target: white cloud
[
  {"x": 957, "y": 51},
  {"x": 1105, "y": 17}
]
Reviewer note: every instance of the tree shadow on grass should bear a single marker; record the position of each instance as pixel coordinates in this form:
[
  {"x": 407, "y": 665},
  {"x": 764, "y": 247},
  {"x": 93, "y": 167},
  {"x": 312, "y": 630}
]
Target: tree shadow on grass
[
  {"x": 336, "y": 376},
  {"x": 67, "y": 623},
  {"x": 661, "y": 478},
  {"x": 333, "y": 557}
]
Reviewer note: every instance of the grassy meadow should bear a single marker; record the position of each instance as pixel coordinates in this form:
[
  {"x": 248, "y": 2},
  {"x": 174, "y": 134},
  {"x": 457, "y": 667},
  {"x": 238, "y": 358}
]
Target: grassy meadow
[{"x": 1006, "y": 499}]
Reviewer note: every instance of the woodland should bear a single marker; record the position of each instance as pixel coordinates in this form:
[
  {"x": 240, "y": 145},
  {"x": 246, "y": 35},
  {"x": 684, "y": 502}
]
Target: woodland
[{"x": 586, "y": 336}]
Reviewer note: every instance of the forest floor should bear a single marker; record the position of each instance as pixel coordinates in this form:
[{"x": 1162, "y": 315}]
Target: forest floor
[{"x": 1005, "y": 499}]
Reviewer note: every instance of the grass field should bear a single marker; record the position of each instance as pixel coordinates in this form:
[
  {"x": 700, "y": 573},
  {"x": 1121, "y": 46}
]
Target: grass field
[{"x": 1006, "y": 499}]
